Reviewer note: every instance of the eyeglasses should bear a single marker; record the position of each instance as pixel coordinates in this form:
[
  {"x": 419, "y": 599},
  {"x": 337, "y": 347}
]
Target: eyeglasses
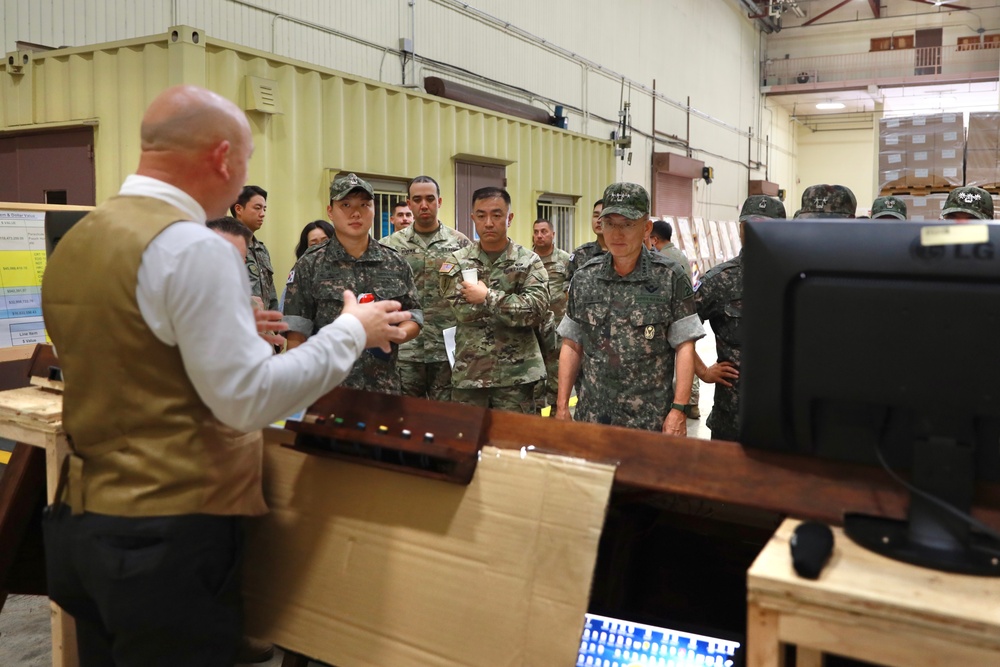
[{"x": 625, "y": 226}]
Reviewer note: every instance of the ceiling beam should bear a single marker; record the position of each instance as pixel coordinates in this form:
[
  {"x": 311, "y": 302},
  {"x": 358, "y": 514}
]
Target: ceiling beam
[
  {"x": 876, "y": 8},
  {"x": 832, "y": 9}
]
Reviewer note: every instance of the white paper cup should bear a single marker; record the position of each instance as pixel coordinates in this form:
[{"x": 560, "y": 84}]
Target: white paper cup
[{"x": 470, "y": 276}]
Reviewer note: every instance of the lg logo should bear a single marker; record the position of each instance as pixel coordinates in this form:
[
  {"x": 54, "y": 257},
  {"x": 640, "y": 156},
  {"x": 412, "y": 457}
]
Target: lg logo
[{"x": 968, "y": 251}]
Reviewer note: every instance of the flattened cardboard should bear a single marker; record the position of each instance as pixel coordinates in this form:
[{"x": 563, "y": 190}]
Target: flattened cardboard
[{"x": 362, "y": 567}]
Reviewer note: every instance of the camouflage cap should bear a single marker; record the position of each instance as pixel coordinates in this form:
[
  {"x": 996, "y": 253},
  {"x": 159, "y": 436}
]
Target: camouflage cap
[
  {"x": 889, "y": 207},
  {"x": 828, "y": 201},
  {"x": 626, "y": 199},
  {"x": 344, "y": 185},
  {"x": 972, "y": 200},
  {"x": 762, "y": 206}
]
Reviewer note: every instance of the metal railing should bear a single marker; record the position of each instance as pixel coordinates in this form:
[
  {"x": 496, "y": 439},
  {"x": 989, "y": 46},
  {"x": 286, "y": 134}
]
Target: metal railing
[{"x": 959, "y": 62}]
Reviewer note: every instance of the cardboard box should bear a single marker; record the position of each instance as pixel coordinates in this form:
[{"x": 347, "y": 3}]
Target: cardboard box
[
  {"x": 984, "y": 130},
  {"x": 982, "y": 168},
  {"x": 365, "y": 567}
]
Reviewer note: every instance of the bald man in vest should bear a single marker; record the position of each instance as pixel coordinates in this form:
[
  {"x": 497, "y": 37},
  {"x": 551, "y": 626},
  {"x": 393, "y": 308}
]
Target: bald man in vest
[{"x": 167, "y": 388}]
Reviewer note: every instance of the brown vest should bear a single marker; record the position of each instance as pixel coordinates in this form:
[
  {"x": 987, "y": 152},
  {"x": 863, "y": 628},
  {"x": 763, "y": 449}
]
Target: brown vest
[{"x": 148, "y": 444}]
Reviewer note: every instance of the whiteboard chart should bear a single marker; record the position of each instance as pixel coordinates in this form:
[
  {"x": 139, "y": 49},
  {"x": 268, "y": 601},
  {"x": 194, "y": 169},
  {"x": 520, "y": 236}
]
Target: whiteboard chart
[{"x": 22, "y": 263}]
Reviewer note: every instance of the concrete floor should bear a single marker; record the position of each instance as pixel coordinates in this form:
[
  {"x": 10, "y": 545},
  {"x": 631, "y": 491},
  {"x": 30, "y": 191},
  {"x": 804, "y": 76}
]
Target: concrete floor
[{"x": 25, "y": 639}]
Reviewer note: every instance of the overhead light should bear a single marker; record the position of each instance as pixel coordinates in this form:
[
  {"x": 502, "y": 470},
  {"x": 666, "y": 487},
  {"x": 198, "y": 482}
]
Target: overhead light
[{"x": 830, "y": 105}]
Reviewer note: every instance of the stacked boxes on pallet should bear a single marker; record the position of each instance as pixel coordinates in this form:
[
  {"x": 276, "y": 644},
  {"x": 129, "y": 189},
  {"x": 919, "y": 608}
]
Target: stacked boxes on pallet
[
  {"x": 892, "y": 136},
  {"x": 982, "y": 168},
  {"x": 921, "y": 152}
]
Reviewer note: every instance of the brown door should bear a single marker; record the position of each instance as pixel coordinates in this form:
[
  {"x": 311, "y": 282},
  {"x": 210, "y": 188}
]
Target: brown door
[
  {"x": 674, "y": 195},
  {"x": 48, "y": 168},
  {"x": 928, "y": 51},
  {"x": 469, "y": 177}
]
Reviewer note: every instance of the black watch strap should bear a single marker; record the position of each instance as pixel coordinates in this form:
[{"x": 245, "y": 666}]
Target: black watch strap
[{"x": 686, "y": 409}]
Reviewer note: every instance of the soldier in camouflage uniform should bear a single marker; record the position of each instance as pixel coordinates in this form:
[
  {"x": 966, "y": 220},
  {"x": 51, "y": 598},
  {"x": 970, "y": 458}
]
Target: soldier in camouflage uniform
[
  {"x": 827, "y": 202},
  {"x": 719, "y": 300},
  {"x": 423, "y": 363},
  {"x": 556, "y": 263},
  {"x": 250, "y": 209},
  {"x": 591, "y": 249},
  {"x": 660, "y": 237},
  {"x": 968, "y": 203},
  {"x": 888, "y": 208},
  {"x": 351, "y": 260},
  {"x": 630, "y": 317},
  {"x": 497, "y": 357}
]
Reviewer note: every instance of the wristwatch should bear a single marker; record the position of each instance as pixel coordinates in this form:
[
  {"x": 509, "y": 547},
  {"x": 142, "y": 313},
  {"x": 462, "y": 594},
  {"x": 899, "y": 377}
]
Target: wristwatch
[{"x": 683, "y": 408}]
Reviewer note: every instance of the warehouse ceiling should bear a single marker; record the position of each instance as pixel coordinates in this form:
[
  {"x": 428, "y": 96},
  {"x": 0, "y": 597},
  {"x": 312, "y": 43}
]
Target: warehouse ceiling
[
  {"x": 979, "y": 96},
  {"x": 799, "y": 13}
]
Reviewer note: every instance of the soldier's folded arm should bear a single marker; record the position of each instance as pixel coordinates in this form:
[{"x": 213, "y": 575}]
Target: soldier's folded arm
[{"x": 529, "y": 307}]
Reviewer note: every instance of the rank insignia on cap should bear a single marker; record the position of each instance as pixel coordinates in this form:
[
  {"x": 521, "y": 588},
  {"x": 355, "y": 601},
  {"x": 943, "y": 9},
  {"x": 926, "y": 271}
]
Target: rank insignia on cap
[
  {"x": 969, "y": 197},
  {"x": 446, "y": 267},
  {"x": 762, "y": 205},
  {"x": 889, "y": 203},
  {"x": 650, "y": 332}
]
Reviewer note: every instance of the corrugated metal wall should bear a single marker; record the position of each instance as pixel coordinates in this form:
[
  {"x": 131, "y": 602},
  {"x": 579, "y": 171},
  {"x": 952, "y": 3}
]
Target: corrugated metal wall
[
  {"x": 330, "y": 122},
  {"x": 541, "y": 53}
]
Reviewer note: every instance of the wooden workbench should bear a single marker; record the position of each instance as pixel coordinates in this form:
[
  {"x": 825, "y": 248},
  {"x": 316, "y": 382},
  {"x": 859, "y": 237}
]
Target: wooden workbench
[
  {"x": 868, "y": 607},
  {"x": 32, "y": 416}
]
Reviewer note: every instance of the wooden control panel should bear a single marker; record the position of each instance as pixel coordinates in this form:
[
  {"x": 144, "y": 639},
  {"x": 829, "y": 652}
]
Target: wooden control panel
[{"x": 402, "y": 433}]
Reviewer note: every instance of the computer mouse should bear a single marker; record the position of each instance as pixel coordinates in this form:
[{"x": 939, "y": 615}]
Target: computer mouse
[{"x": 811, "y": 546}]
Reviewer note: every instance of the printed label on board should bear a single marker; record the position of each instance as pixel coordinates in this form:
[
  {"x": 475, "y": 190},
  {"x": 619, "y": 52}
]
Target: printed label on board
[{"x": 954, "y": 234}]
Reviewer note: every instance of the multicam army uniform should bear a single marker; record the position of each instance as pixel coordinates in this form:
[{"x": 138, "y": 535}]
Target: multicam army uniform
[
  {"x": 261, "y": 273},
  {"x": 628, "y": 327},
  {"x": 495, "y": 343},
  {"x": 581, "y": 256},
  {"x": 719, "y": 300},
  {"x": 556, "y": 266},
  {"x": 423, "y": 363},
  {"x": 315, "y": 298}
]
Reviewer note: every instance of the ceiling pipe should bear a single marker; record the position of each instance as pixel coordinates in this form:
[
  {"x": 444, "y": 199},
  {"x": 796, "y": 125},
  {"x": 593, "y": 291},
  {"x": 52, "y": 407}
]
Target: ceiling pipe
[{"x": 767, "y": 23}]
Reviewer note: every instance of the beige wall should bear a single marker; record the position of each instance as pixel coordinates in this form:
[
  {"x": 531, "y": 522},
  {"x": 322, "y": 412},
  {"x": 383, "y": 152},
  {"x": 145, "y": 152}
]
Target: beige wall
[{"x": 842, "y": 157}]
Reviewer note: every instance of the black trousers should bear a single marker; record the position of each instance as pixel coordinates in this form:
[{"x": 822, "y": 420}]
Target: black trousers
[{"x": 148, "y": 592}]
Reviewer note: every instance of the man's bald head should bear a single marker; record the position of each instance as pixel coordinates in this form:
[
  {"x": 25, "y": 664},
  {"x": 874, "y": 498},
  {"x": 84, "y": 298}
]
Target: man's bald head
[
  {"x": 198, "y": 141},
  {"x": 188, "y": 117}
]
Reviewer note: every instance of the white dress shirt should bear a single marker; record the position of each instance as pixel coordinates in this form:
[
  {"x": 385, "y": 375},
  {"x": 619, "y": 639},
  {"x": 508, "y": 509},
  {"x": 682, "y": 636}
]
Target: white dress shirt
[{"x": 193, "y": 293}]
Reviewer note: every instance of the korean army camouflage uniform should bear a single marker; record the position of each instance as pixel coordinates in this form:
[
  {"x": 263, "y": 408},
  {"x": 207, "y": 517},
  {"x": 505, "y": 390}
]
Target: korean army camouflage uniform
[
  {"x": 977, "y": 202},
  {"x": 423, "y": 363},
  {"x": 581, "y": 256},
  {"x": 261, "y": 274},
  {"x": 719, "y": 300},
  {"x": 628, "y": 327},
  {"x": 557, "y": 267},
  {"x": 496, "y": 346},
  {"x": 888, "y": 208},
  {"x": 315, "y": 298},
  {"x": 672, "y": 252},
  {"x": 827, "y": 201}
]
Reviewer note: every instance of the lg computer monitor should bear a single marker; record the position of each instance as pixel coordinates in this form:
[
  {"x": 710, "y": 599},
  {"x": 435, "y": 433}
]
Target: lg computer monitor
[{"x": 869, "y": 340}]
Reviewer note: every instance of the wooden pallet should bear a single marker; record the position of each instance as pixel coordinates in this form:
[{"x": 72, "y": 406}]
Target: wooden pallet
[{"x": 914, "y": 192}]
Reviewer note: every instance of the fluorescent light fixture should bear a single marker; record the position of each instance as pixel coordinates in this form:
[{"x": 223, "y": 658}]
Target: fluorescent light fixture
[{"x": 830, "y": 105}]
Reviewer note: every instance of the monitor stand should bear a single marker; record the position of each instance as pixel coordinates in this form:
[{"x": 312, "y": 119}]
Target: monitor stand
[{"x": 930, "y": 536}]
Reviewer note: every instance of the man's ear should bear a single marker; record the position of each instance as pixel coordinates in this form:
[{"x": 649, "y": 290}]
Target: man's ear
[{"x": 219, "y": 158}]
